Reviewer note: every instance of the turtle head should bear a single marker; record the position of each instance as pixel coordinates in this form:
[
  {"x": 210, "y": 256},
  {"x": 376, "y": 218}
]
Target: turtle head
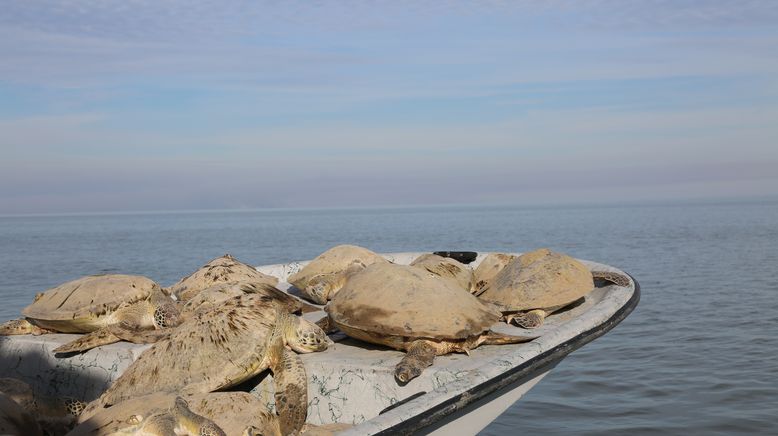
[
  {"x": 167, "y": 315},
  {"x": 321, "y": 287},
  {"x": 304, "y": 336},
  {"x": 324, "y": 286},
  {"x": 405, "y": 373},
  {"x": 74, "y": 406}
]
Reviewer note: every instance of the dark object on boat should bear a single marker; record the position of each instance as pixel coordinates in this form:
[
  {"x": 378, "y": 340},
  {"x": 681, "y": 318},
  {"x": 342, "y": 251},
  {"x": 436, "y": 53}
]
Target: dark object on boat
[{"x": 461, "y": 256}]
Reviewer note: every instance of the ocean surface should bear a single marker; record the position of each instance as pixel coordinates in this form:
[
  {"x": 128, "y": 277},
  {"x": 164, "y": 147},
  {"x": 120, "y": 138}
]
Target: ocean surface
[{"x": 699, "y": 355}]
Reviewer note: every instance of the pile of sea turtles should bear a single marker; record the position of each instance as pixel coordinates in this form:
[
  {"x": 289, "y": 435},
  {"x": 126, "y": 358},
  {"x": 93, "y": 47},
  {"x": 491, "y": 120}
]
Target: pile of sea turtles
[{"x": 226, "y": 323}]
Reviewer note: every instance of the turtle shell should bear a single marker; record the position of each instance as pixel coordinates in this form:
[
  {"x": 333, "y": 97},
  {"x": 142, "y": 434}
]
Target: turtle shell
[
  {"x": 213, "y": 295},
  {"x": 401, "y": 300},
  {"x": 488, "y": 268},
  {"x": 220, "y": 270},
  {"x": 209, "y": 349},
  {"x": 446, "y": 267},
  {"x": 334, "y": 260},
  {"x": 87, "y": 298},
  {"x": 537, "y": 280}
]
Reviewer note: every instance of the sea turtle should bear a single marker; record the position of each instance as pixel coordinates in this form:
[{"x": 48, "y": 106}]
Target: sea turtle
[
  {"x": 321, "y": 279},
  {"x": 206, "y": 300},
  {"x": 97, "y": 305},
  {"x": 447, "y": 268},
  {"x": 220, "y": 270},
  {"x": 539, "y": 282},
  {"x": 161, "y": 414},
  {"x": 218, "y": 348},
  {"x": 54, "y": 415},
  {"x": 488, "y": 268},
  {"x": 233, "y": 412},
  {"x": 410, "y": 309}
]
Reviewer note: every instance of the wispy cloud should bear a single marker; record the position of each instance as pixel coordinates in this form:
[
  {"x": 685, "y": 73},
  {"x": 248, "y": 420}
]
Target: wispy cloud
[{"x": 148, "y": 104}]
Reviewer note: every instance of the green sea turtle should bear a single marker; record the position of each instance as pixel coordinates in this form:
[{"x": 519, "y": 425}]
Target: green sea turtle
[
  {"x": 99, "y": 305},
  {"x": 229, "y": 412},
  {"x": 54, "y": 415},
  {"x": 409, "y": 309},
  {"x": 220, "y": 270},
  {"x": 206, "y": 300},
  {"x": 488, "y": 268},
  {"x": 539, "y": 282},
  {"x": 447, "y": 268},
  {"x": 163, "y": 415},
  {"x": 218, "y": 348},
  {"x": 233, "y": 412},
  {"x": 321, "y": 279}
]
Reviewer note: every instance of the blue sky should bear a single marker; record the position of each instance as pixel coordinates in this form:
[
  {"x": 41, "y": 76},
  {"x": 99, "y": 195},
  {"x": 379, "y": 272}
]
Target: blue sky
[{"x": 145, "y": 105}]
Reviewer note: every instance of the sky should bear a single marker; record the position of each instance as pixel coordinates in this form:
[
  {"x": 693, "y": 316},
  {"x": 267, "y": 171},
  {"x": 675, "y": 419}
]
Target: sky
[{"x": 115, "y": 106}]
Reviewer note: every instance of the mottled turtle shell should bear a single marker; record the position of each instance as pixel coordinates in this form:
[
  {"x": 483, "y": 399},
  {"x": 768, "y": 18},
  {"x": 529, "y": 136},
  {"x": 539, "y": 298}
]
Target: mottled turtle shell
[
  {"x": 88, "y": 298},
  {"x": 220, "y": 270},
  {"x": 207, "y": 350},
  {"x": 232, "y": 411},
  {"x": 488, "y": 268},
  {"x": 537, "y": 280},
  {"x": 335, "y": 260},
  {"x": 446, "y": 268},
  {"x": 220, "y": 292},
  {"x": 401, "y": 300}
]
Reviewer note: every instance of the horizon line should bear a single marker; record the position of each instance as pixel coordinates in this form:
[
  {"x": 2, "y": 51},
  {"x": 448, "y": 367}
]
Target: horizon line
[{"x": 690, "y": 201}]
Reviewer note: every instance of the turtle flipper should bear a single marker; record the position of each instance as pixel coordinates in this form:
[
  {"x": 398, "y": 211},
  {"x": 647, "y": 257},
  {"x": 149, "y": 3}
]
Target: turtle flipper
[
  {"x": 613, "y": 277},
  {"x": 291, "y": 386},
  {"x": 21, "y": 327},
  {"x": 138, "y": 336},
  {"x": 194, "y": 423},
  {"x": 494, "y": 338},
  {"x": 99, "y": 337},
  {"x": 110, "y": 335},
  {"x": 529, "y": 320},
  {"x": 420, "y": 355}
]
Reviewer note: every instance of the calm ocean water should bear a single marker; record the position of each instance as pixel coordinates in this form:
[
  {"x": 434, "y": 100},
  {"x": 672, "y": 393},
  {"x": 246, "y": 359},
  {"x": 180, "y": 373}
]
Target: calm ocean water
[{"x": 698, "y": 356}]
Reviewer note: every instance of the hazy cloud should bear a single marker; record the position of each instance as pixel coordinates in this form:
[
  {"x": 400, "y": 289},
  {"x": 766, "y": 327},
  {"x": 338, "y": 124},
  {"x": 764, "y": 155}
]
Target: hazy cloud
[{"x": 127, "y": 105}]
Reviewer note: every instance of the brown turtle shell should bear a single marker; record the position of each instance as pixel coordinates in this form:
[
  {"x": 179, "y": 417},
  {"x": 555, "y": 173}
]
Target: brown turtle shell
[
  {"x": 406, "y": 301},
  {"x": 488, "y": 268},
  {"x": 446, "y": 268},
  {"x": 539, "y": 279},
  {"x": 334, "y": 260},
  {"x": 210, "y": 350},
  {"x": 89, "y": 297},
  {"x": 220, "y": 292},
  {"x": 220, "y": 270}
]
